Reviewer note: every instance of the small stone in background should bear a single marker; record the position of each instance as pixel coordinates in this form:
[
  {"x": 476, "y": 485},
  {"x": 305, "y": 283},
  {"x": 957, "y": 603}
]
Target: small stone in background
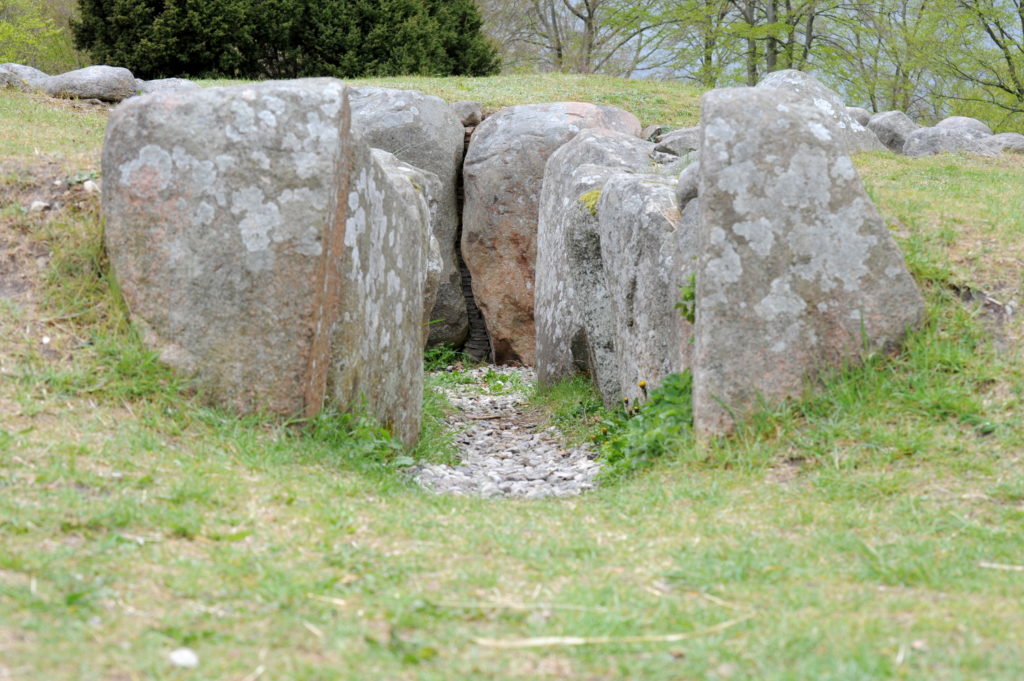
[
  {"x": 184, "y": 657},
  {"x": 90, "y": 187},
  {"x": 38, "y": 207}
]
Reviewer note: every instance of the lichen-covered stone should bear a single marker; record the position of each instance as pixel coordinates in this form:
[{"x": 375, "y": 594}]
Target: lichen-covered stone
[
  {"x": 572, "y": 309},
  {"x": 421, "y": 191},
  {"x": 247, "y": 227},
  {"x": 856, "y": 137},
  {"x": 649, "y": 250},
  {"x": 503, "y": 174},
  {"x": 422, "y": 130},
  {"x": 469, "y": 113},
  {"x": 949, "y": 140},
  {"x": 892, "y": 128},
  {"x": 105, "y": 83},
  {"x": 797, "y": 270}
]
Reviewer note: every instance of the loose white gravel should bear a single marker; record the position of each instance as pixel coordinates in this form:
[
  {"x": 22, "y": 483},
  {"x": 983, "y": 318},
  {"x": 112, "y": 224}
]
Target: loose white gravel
[{"x": 501, "y": 452}]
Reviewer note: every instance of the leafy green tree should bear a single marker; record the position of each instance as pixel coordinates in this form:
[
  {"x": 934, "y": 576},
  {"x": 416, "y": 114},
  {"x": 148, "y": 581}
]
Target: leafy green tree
[
  {"x": 30, "y": 34},
  {"x": 286, "y": 38}
]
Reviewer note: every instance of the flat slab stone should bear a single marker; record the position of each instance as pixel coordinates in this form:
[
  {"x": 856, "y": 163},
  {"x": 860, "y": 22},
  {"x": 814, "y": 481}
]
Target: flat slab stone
[
  {"x": 798, "y": 272},
  {"x": 105, "y": 83}
]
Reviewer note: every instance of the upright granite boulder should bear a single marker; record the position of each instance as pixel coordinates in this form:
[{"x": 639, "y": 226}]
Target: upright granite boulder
[
  {"x": 572, "y": 310},
  {"x": 797, "y": 272},
  {"x": 892, "y": 128},
  {"x": 263, "y": 251},
  {"x": 649, "y": 252},
  {"x": 105, "y": 83},
  {"x": 424, "y": 132},
  {"x": 855, "y": 136},
  {"x": 503, "y": 174},
  {"x": 421, "y": 191}
]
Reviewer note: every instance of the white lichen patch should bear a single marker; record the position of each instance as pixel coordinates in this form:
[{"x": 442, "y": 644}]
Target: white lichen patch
[
  {"x": 152, "y": 160},
  {"x": 758, "y": 234},
  {"x": 781, "y": 301},
  {"x": 259, "y": 218}
]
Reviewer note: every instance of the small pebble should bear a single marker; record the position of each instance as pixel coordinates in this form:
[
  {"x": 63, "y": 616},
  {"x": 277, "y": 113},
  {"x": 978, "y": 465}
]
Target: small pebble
[
  {"x": 38, "y": 207},
  {"x": 90, "y": 187},
  {"x": 184, "y": 657}
]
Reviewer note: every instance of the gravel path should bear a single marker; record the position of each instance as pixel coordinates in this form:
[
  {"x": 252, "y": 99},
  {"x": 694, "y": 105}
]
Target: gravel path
[{"x": 501, "y": 450}]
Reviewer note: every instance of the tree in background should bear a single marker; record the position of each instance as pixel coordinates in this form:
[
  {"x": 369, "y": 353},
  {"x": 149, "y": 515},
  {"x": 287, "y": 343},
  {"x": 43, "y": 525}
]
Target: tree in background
[
  {"x": 286, "y": 38},
  {"x": 35, "y": 33}
]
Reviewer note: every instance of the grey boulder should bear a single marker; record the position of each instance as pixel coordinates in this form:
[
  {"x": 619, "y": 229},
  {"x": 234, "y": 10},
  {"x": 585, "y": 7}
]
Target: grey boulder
[
  {"x": 1006, "y": 142},
  {"x": 503, "y": 175},
  {"x": 961, "y": 122},
  {"x": 859, "y": 114},
  {"x": 572, "y": 310},
  {"x": 856, "y": 137},
  {"x": 420, "y": 190},
  {"x": 263, "y": 251},
  {"x": 679, "y": 142},
  {"x": 148, "y": 87},
  {"x": 469, "y": 113},
  {"x": 798, "y": 272},
  {"x": 422, "y": 130},
  {"x": 952, "y": 140},
  {"x": 105, "y": 83},
  {"x": 892, "y": 128},
  {"x": 29, "y": 75},
  {"x": 648, "y": 249}
]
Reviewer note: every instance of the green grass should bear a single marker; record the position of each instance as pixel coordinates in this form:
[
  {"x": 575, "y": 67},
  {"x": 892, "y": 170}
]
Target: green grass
[
  {"x": 35, "y": 125},
  {"x": 855, "y": 534}
]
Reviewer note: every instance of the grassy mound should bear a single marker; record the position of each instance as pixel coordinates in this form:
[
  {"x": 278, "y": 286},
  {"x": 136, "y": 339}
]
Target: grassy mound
[{"x": 871, "y": 531}]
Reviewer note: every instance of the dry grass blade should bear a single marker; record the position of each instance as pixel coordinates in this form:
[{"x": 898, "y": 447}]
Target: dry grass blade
[
  {"x": 1001, "y": 566},
  {"x": 511, "y": 605},
  {"x": 553, "y": 641}
]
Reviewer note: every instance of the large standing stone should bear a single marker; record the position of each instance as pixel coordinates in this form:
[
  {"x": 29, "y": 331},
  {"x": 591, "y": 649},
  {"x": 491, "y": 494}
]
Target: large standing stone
[
  {"x": 798, "y": 271},
  {"x": 856, "y": 137},
  {"x": 951, "y": 140},
  {"x": 503, "y": 174},
  {"x": 422, "y": 130},
  {"x": 892, "y": 128},
  {"x": 262, "y": 250},
  {"x": 649, "y": 253},
  {"x": 106, "y": 83},
  {"x": 572, "y": 310}
]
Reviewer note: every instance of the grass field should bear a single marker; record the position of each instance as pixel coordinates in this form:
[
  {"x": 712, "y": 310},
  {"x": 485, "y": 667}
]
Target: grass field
[{"x": 871, "y": 531}]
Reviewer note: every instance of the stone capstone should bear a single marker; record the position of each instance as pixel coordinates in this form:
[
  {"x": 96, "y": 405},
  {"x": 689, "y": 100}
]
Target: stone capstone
[
  {"x": 797, "y": 271},
  {"x": 856, "y": 137},
  {"x": 263, "y": 251},
  {"x": 503, "y": 175},
  {"x": 892, "y": 128},
  {"x": 573, "y": 314},
  {"x": 422, "y": 130},
  {"x": 105, "y": 83},
  {"x": 930, "y": 141},
  {"x": 649, "y": 250},
  {"x": 955, "y": 122}
]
